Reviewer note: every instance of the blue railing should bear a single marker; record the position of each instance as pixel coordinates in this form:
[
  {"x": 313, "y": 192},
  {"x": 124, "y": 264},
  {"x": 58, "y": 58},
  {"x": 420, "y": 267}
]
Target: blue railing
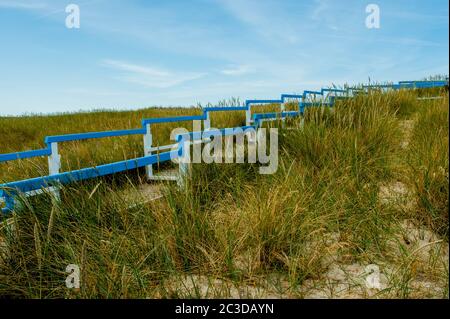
[{"x": 9, "y": 191}]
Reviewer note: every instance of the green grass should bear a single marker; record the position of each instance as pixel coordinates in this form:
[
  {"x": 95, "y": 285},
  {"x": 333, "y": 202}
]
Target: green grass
[
  {"x": 321, "y": 208},
  {"x": 428, "y": 165}
]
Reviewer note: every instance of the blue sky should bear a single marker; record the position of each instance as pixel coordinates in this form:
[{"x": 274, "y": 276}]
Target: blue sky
[{"x": 135, "y": 53}]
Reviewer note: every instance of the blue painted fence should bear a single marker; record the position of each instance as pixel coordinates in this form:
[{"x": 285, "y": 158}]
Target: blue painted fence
[{"x": 10, "y": 190}]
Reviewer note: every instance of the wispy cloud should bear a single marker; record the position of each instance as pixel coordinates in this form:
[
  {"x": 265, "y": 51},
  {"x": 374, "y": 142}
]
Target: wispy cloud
[
  {"x": 321, "y": 6},
  {"x": 264, "y": 17},
  {"x": 235, "y": 70},
  {"x": 414, "y": 42},
  {"x": 29, "y": 5},
  {"x": 150, "y": 76},
  {"x": 420, "y": 17},
  {"x": 134, "y": 68}
]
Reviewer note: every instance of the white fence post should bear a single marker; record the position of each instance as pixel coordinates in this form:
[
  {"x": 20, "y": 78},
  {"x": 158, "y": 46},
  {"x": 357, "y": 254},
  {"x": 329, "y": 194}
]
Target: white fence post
[
  {"x": 248, "y": 116},
  {"x": 148, "y": 141},
  {"x": 248, "y": 119},
  {"x": 184, "y": 164},
  {"x": 54, "y": 166},
  {"x": 207, "y": 122},
  {"x": 283, "y": 119}
]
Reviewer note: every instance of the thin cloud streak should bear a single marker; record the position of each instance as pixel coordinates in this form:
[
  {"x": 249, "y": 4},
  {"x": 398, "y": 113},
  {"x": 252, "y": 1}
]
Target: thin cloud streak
[
  {"x": 22, "y": 5},
  {"x": 149, "y": 76},
  {"x": 236, "y": 70}
]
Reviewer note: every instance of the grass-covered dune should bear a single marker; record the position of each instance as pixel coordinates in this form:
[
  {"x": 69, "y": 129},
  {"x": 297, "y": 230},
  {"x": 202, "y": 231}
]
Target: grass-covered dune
[{"x": 361, "y": 187}]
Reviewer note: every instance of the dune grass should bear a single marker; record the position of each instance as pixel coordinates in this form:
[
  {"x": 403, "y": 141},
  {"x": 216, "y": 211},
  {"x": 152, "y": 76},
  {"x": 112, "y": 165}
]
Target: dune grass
[{"x": 231, "y": 230}]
